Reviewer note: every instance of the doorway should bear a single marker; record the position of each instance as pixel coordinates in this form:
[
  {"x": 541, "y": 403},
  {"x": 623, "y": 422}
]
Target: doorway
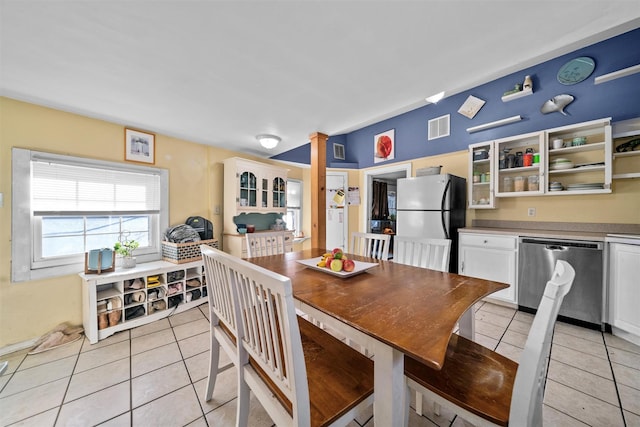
[
  {"x": 389, "y": 175},
  {"x": 337, "y": 224}
]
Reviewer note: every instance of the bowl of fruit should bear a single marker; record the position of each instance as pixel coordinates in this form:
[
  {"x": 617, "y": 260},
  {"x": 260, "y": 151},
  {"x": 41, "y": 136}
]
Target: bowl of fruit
[{"x": 337, "y": 263}]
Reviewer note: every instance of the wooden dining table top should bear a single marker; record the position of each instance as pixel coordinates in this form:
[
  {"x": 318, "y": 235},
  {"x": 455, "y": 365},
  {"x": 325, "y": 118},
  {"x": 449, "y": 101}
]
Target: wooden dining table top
[{"x": 412, "y": 309}]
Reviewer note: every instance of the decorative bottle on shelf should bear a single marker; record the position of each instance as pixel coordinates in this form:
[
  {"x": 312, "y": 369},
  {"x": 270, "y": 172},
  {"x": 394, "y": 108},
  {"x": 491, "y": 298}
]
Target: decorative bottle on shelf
[{"x": 528, "y": 84}]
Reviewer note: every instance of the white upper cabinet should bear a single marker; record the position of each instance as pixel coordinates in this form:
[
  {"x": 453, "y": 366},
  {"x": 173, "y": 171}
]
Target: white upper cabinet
[
  {"x": 520, "y": 161},
  {"x": 480, "y": 184},
  {"x": 568, "y": 160},
  {"x": 260, "y": 188},
  {"x": 583, "y": 164}
]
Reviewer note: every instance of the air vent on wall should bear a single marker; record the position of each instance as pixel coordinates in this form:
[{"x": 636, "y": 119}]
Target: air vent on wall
[
  {"x": 338, "y": 151},
  {"x": 438, "y": 127}
]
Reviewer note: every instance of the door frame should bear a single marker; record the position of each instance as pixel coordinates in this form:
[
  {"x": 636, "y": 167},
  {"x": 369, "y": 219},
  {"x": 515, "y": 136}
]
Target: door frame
[
  {"x": 369, "y": 175},
  {"x": 345, "y": 217}
]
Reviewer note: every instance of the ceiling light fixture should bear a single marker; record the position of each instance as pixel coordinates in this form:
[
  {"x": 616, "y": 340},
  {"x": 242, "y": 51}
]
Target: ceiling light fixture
[
  {"x": 268, "y": 141},
  {"x": 435, "y": 98}
]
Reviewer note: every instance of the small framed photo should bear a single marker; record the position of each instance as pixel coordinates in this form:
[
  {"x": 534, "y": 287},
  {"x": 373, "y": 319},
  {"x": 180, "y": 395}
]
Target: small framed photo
[{"x": 139, "y": 146}]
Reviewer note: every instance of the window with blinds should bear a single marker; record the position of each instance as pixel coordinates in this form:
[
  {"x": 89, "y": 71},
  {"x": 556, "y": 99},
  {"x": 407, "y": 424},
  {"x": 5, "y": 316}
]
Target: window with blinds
[{"x": 76, "y": 204}]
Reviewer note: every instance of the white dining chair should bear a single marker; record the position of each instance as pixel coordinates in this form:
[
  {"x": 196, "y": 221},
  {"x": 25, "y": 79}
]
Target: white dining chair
[
  {"x": 300, "y": 374},
  {"x": 370, "y": 245},
  {"x": 222, "y": 316},
  {"x": 486, "y": 388},
  {"x": 426, "y": 253},
  {"x": 265, "y": 243}
]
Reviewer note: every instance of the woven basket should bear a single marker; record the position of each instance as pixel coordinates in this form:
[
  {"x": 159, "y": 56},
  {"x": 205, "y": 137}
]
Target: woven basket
[{"x": 180, "y": 253}]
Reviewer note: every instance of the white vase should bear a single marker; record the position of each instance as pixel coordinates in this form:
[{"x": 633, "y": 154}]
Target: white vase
[{"x": 128, "y": 262}]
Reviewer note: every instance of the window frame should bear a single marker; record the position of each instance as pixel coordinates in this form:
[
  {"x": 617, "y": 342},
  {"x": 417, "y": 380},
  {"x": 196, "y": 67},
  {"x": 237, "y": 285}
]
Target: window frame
[{"x": 24, "y": 226}]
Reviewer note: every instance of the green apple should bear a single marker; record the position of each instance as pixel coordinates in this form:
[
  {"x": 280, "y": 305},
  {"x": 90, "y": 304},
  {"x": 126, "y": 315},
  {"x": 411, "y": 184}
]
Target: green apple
[
  {"x": 336, "y": 265},
  {"x": 328, "y": 261}
]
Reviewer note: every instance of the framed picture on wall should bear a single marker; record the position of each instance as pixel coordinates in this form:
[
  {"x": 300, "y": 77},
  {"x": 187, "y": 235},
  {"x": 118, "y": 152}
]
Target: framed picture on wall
[
  {"x": 384, "y": 146},
  {"x": 139, "y": 146}
]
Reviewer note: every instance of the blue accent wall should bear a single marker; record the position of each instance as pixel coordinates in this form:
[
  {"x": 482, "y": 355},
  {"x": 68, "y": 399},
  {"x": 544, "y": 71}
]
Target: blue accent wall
[{"x": 618, "y": 99}]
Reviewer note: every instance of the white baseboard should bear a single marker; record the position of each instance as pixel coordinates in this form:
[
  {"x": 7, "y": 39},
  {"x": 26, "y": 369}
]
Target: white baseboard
[{"x": 11, "y": 348}]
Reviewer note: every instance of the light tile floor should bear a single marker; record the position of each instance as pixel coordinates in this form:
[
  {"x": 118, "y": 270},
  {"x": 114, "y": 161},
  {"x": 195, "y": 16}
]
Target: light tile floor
[{"x": 155, "y": 375}]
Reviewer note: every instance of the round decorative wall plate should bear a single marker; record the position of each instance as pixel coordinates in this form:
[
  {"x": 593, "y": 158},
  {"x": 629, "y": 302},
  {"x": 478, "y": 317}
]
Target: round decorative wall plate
[{"x": 576, "y": 70}]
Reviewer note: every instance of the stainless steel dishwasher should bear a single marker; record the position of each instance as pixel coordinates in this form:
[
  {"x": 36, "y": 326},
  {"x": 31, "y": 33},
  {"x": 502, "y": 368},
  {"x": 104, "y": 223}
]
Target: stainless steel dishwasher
[{"x": 583, "y": 305}]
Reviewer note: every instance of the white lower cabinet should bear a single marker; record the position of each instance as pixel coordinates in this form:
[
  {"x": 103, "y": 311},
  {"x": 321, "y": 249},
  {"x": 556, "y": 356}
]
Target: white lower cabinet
[
  {"x": 491, "y": 257},
  {"x": 624, "y": 290},
  {"x": 131, "y": 297}
]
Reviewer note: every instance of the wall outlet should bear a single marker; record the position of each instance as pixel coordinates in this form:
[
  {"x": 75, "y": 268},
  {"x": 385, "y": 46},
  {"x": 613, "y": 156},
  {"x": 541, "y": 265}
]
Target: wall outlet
[
  {"x": 531, "y": 212},
  {"x": 216, "y": 210}
]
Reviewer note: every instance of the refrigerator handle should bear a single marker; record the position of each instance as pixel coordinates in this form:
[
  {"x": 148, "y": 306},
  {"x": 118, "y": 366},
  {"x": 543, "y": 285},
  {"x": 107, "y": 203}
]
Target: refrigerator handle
[{"x": 442, "y": 209}]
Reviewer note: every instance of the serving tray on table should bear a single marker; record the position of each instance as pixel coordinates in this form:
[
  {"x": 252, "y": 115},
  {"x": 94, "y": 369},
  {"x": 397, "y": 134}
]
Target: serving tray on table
[{"x": 360, "y": 267}]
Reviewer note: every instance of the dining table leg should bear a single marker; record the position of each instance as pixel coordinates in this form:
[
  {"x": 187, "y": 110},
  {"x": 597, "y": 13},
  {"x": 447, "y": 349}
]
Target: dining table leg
[
  {"x": 467, "y": 324},
  {"x": 390, "y": 390}
]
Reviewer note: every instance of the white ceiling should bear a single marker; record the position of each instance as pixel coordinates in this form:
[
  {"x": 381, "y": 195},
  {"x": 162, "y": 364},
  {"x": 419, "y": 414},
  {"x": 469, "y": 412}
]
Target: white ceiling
[{"x": 221, "y": 72}]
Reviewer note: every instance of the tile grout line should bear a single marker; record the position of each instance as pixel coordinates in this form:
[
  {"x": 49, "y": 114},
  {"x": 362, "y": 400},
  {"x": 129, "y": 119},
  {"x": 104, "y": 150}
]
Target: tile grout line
[
  {"x": 184, "y": 363},
  {"x": 615, "y": 383},
  {"x": 130, "y": 379},
  {"x": 68, "y": 383}
]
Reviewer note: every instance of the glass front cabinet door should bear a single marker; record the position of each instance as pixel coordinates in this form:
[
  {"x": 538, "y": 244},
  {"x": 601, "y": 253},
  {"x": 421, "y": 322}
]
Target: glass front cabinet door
[
  {"x": 248, "y": 191},
  {"x": 279, "y": 192},
  {"x": 480, "y": 184}
]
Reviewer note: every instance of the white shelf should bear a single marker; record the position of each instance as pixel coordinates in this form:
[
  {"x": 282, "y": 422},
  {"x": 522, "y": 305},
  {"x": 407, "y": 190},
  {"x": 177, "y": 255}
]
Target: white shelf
[
  {"x": 520, "y": 194},
  {"x": 108, "y": 293},
  {"x": 521, "y": 94},
  {"x": 576, "y": 192},
  {"x": 480, "y": 183},
  {"x": 521, "y": 169},
  {"x": 626, "y": 154},
  {"x": 626, "y": 175},
  {"x": 479, "y": 162},
  {"x": 577, "y": 170},
  {"x": 577, "y": 148}
]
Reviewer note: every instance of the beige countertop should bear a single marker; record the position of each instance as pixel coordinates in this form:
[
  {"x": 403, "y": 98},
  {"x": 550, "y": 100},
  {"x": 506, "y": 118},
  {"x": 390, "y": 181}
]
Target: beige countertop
[
  {"x": 556, "y": 230},
  {"x": 524, "y": 232}
]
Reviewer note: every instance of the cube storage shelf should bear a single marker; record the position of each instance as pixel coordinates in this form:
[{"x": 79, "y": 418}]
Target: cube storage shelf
[{"x": 127, "y": 298}]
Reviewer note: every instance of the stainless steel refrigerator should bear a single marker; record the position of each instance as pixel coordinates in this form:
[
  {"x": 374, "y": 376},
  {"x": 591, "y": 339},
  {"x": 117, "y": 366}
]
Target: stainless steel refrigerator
[{"x": 432, "y": 206}]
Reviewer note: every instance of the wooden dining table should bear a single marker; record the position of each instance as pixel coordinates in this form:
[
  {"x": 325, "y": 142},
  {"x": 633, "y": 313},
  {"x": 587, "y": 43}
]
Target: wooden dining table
[{"x": 392, "y": 310}]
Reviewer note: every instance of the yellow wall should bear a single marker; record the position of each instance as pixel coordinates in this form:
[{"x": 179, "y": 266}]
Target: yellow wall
[{"x": 29, "y": 309}]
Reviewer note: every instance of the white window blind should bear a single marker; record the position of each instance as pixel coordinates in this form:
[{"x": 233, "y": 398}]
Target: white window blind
[
  {"x": 294, "y": 194},
  {"x": 72, "y": 189}
]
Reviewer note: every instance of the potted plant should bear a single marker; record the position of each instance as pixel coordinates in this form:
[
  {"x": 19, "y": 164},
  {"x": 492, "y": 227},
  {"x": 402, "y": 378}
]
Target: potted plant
[{"x": 125, "y": 249}]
